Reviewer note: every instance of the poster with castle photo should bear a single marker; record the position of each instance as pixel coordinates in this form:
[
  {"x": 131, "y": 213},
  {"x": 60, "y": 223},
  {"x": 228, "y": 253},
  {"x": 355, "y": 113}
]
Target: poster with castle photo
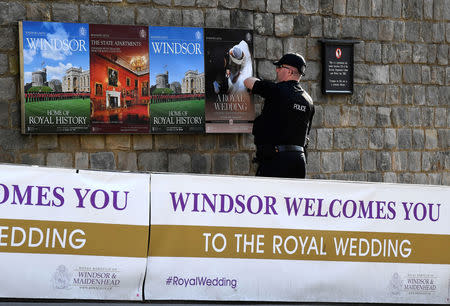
[
  {"x": 119, "y": 79},
  {"x": 229, "y": 107},
  {"x": 177, "y": 80},
  {"x": 55, "y": 77}
]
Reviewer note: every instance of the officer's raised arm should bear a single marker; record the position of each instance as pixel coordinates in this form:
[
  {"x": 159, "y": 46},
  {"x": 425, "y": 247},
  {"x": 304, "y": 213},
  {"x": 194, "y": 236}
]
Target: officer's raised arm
[{"x": 249, "y": 82}]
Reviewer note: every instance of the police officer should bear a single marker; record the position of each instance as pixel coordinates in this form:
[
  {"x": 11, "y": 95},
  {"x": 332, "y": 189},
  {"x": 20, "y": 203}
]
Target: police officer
[{"x": 281, "y": 131}]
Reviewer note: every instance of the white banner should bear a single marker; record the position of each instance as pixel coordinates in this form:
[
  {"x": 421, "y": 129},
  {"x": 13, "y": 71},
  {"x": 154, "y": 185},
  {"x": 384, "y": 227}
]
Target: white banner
[
  {"x": 261, "y": 239},
  {"x": 72, "y": 235}
]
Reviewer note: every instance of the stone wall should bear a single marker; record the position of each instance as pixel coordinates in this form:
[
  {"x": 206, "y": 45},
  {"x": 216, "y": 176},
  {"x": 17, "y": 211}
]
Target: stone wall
[{"x": 394, "y": 128}]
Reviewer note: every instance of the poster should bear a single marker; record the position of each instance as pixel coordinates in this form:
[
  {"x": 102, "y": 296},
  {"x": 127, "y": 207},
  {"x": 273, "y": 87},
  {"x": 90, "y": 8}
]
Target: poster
[
  {"x": 119, "y": 79},
  {"x": 262, "y": 239},
  {"x": 66, "y": 234},
  {"x": 229, "y": 106},
  {"x": 177, "y": 80},
  {"x": 55, "y": 77}
]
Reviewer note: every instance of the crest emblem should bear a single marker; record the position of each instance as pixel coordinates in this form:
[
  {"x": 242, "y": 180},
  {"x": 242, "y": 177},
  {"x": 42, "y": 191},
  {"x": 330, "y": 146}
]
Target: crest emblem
[{"x": 61, "y": 278}]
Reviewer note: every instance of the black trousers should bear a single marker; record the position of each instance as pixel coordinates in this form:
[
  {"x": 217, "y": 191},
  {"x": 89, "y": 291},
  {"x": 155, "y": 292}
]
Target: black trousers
[{"x": 283, "y": 164}]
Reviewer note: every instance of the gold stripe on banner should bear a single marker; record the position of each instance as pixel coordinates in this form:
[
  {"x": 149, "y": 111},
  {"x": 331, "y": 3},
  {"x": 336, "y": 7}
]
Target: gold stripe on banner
[
  {"x": 294, "y": 244},
  {"x": 74, "y": 238}
]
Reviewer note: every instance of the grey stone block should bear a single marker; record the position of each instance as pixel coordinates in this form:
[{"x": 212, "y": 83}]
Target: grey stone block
[
  {"x": 47, "y": 142},
  {"x": 339, "y": 7},
  {"x": 170, "y": 141},
  {"x": 373, "y": 52},
  {"x": 432, "y": 95},
  {"x": 439, "y": 179},
  {"x": 263, "y": 23},
  {"x": 313, "y": 162},
  {"x": 400, "y": 161},
  {"x": 376, "y": 138},
  {"x": 431, "y": 54},
  {"x": 404, "y": 139},
  {"x": 419, "y": 95},
  {"x": 351, "y": 28},
  {"x": 414, "y": 161},
  {"x": 147, "y": 15},
  {"x": 431, "y": 161},
  {"x": 438, "y": 30},
  {"x": 352, "y": 7},
  {"x": 392, "y": 95},
  {"x": 444, "y": 141},
  {"x": 407, "y": 94},
  {"x": 412, "y": 31},
  {"x": 231, "y": 4},
  {"x": 206, "y": 3},
  {"x": 332, "y": 115},
  {"x": 418, "y": 139},
  {"x": 241, "y": 19},
  {"x": 428, "y": 9},
  {"x": 442, "y": 54},
  {"x": 426, "y": 30},
  {"x": 399, "y": 116},
  {"x": 420, "y": 178},
  {"x": 412, "y": 9},
  {"x": 179, "y": 162},
  {"x": 216, "y": 18},
  {"x": 61, "y": 160},
  {"x": 153, "y": 161},
  {"x": 193, "y": 18},
  {"x": 426, "y": 75},
  {"x": 141, "y": 1},
  {"x": 7, "y": 89},
  {"x": 81, "y": 160},
  {"x": 266, "y": 70},
  {"x": 201, "y": 163},
  {"x": 365, "y": 8},
  {"x": 324, "y": 139},
  {"x": 284, "y": 25},
  {"x": 4, "y": 65},
  {"x": 343, "y": 138},
  {"x": 352, "y": 161},
  {"x": 290, "y": 6},
  {"x": 313, "y": 49},
  {"x": 240, "y": 164},
  {"x": 331, "y": 162},
  {"x": 383, "y": 118},
  {"x": 368, "y": 116},
  {"x": 103, "y": 160},
  {"x": 431, "y": 139},
  {"x": 121, "y": 15},
  {"x": 375, "y": 95},
  {"x": 259, "y": 46},
  {"x": 369, "y": 29},
  {"x": 11, "y": 12},
  {"x": 412, "y": 74},
  {"x": 332, "y": 27},
  {"x": 253, "y": 5},
  {"x": 309, "y": 6},
  {"x": 316, "y": 26},
  {"x": 274, "y": 48},
  {"x": 127, "y": 161},
  {"x": 390, "y": 139},
  {"x": 377, "y": 8},
  {"x": 297, "y": 45},
  {"x": 93, "y": 14},
  {"x": 390, "y": 177},
  {"x": 368, "y": 160},
  {"x": 274, "y": 6},
  {"x": 420, "y": 53},
  {"x": 65, "y": 12},
  {"x": 440, "y": 119},
  {"x": 188, "y": 3},
  {"x": 160, "y": 2},
  {"x": 318, "y": 117},
  {"x": 350, "y": 116},
  {"x": 405, "y": 178},
  {"x": 388, "y": 53},
  {"x": 396, "y": 8},
  {"x": 142, "y": 142},
  {"x": 427, "y": 116},
  {"x": 437, "y": 75},
  {"x": 4, "y": 115},
  {"x": 228, "y": 142},
  {"x": 32, "y": 159},
  {"x": 221, "y": 163},
  {"x": 384, "y": 161},
  {"x": 395, "y": 74},
  {"x": 415, "y": 116},
  {"x": 386, "y": 30},
  {"x": 302, "y": 25},
  {"x": 404, "y": 52}
]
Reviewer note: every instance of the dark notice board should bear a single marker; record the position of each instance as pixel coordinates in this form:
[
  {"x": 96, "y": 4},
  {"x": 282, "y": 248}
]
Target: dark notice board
[{"x": 337, "y": 66}]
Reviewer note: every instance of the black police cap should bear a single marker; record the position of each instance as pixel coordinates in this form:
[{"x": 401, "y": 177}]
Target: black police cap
[{"x": 294, "y": 60}]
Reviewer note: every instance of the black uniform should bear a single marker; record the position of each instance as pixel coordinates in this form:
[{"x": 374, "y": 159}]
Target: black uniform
[{"x": 282, "y": 128}]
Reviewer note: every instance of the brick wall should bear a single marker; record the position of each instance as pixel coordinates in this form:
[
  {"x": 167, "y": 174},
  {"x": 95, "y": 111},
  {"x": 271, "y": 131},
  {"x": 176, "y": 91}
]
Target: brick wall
[{"x": 394, "y": 128}]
